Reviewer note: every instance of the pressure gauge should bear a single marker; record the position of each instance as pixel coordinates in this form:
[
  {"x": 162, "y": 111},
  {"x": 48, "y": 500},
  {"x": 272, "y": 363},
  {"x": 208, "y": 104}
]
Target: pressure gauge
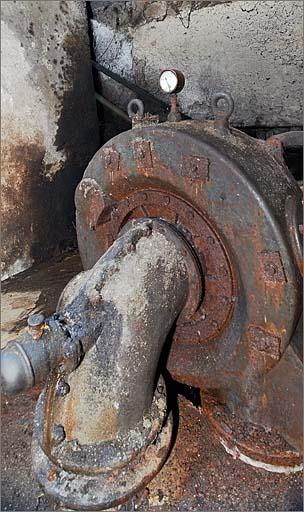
[{"x": 171, "y": 81}]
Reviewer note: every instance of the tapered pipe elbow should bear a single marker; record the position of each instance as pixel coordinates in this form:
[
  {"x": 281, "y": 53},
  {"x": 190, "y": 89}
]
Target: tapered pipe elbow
[{"x": 112, "y": 408}]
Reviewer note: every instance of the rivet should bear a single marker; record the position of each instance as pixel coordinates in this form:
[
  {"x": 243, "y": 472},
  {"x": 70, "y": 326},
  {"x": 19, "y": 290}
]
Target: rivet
[{"x": 36, "y": 325}]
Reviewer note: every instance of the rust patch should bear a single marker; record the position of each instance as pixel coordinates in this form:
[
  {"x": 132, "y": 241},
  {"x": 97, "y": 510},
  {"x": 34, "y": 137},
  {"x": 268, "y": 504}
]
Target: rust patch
[
  {"x": 108, "y": 426},
  {"x": 254, "y": 441},
  {"x": 52, "y": 475},
  {"x": 21, "y": 164},
  {"x": 110, "y": 158},
  {"x": 273, "y": 269},
  {"x": 265, "y": 342},
  {"x": 143, "y": 154},
  {"x": 195, "y": 167}
]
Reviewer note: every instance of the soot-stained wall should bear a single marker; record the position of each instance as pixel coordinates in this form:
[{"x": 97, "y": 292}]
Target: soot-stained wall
[{"x": 49, "y": 126}]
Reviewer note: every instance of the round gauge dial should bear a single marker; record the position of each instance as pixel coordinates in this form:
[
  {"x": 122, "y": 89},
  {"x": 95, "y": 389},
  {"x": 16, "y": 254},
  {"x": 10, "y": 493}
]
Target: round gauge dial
[{"x": 171, "y": 81}]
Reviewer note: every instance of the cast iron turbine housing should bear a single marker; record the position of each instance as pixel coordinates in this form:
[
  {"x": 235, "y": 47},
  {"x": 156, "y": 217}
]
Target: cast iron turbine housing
[{"x": 186, "y": 227}]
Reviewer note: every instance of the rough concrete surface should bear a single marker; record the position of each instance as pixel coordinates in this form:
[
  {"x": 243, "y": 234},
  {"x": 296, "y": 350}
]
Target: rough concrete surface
[
  {"x": 198, "y": 476},
  {"x": 252, "y": 49},
  {"x": 49, "y": 126}
]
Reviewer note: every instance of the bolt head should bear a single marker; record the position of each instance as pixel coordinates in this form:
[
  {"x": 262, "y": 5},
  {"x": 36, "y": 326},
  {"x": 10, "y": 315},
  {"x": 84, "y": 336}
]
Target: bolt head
[
  {"x": 63, "y": 388},
  {"x": 35, "y": 320},
  {"x": 271, "y": 269},
  {"x": 58, "y": 434},
  {"x": 108, "y": 159},
  {"x": 141, "y": 153}
]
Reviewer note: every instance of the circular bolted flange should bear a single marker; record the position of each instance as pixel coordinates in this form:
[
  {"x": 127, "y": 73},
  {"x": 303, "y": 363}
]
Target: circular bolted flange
[
  {"x": 96, "y": 485},
  {"x": 98, "y": 205},
  {"x": 216, "y": 305}
]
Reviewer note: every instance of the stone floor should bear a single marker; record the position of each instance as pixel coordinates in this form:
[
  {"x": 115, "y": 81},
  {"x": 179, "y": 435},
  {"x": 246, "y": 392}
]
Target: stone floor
[{"x": 198, "y": 476}]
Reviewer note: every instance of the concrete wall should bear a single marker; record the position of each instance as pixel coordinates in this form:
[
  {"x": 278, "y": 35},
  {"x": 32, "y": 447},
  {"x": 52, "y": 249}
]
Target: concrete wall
[
  {"x": 49, "y": 126},
  {"x": 252, "y": 49}
]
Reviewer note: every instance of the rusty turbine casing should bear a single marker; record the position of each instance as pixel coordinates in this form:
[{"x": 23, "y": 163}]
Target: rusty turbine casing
[
  {"x": 218, "y": 265},
  {"x": 240, "y": 209}
]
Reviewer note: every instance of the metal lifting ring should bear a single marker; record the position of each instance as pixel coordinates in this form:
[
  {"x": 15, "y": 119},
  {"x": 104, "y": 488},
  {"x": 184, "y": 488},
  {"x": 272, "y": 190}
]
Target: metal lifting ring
[
  {"x": 135, "y": 107},
  {"x": 227, "y": 109}
]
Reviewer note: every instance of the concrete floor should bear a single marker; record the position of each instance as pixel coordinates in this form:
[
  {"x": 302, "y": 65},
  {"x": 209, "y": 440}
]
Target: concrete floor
[{"x": 199, "y": 475}]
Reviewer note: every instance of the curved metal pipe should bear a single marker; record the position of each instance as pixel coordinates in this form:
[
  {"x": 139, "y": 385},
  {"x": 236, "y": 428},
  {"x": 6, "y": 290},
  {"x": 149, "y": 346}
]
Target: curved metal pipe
[
  {"x": 105, "y": 402},
  {"x": 138, "y": 288}
]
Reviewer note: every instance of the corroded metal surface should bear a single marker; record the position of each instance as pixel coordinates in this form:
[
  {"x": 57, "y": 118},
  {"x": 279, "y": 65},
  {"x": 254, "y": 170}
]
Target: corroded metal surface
[
  {"x": 202, "y": 209},
  {"x": 262, "y": 447},
  {"x": 216, "y": 303},
  {"x": 199, "y": 475},
  {"x": 102, "y": 429},
  {"x": 226, "y": 192}
]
